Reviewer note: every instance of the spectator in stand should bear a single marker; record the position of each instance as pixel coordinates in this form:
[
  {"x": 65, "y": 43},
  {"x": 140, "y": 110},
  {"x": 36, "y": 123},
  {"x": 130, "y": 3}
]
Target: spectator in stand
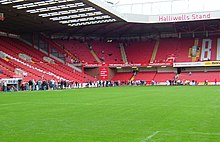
[{"x": 190, "y": 73}]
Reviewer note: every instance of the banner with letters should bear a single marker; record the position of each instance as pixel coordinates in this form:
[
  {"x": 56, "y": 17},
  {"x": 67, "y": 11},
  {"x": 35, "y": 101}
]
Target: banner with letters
[
  {"x": 212, "y": 63},
  {"x": 103, "y": 73}
]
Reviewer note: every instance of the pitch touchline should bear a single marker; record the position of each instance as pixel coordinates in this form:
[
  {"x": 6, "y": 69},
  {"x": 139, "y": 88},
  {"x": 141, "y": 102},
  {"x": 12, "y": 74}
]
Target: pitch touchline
[
  {"x": 191, "y": 133},
  {"x": 150, "y": 137},
  {"x": 11, "y": 104}
]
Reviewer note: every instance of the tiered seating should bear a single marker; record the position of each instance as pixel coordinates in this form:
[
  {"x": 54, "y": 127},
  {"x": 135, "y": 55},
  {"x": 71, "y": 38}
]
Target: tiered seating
[
  {"x": 147, "y": 76},
  {"x": 139, "y": 52},
  {"x": 14, "y": 51},
  {"x": 6, "y": 70},
  {"x": 201, "y": 76},
  {"x": 164, "y": 76},
  {"x": 50, "y": 71},
  {"x": 122, "y": 76},
  {"x": 80, "y": 50},
  {"x": 108, "y": 52},
  {"x": 179, "y": 47}
]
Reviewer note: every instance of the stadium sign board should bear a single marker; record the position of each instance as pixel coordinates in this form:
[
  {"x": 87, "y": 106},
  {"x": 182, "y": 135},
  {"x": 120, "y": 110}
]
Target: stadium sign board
[
  {"x": 168, "y": 18},
  {"x": 197, "y": 64},
  {"x": 212, "y": 63},
  {"x": 184, "y": 17},
  {"x": 189, "y": 64},
  {"x": 161, "y": 64},
  {"x": 130, "y": 65},
  {"x": 112, "y": 65},
  {"x": 103, "y": 71}
]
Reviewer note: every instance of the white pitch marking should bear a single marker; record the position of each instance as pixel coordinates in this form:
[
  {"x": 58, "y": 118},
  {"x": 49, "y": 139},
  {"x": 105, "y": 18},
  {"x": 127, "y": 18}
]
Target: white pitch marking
[
  {"x": 150, "y": 137},
  {"x": 11, "y": 104},
  {"x": 191, "y": 133}
]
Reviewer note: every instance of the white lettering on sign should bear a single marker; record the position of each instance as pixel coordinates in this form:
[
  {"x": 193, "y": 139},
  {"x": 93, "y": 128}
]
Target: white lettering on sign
[{"x": 206, "y": 49}]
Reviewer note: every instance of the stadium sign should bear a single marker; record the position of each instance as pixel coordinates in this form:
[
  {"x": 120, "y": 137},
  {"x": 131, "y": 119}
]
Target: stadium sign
[
  {"x": 103, "y": 71},
  {"x": 112, "y": 65},
  {"x": 130, "y": 65},
  {"x": 189, "y": 64},
  {"x": 161, "y": 64},
  {"x": 212, "y": 63},
  {"x": 184, "y": 17},
  {"x": 124, "y": 65},
  {"x": 167, "y": 18}
]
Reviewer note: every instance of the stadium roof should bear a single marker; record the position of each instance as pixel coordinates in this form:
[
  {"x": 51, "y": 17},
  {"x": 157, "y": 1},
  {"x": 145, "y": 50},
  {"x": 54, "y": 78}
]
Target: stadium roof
[
  {"x": 72, "y": 17},
  {"x": 155, "y": 7}
]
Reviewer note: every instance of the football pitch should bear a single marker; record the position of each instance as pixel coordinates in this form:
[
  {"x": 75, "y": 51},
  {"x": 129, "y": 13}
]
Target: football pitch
[{"x": 117, "y": 114}]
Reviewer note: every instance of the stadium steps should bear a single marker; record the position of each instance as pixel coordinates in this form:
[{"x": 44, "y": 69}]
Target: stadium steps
[
  {"x": 95, "y": 56},
  {"x": 153, "y": 57},
  {"x": 123, "y": 53}
]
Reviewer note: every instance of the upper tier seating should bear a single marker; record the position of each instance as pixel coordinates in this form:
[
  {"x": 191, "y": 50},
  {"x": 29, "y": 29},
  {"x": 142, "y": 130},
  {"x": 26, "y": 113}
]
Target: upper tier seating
[
  {"x": 139, "y": 52},
  {"x": 179, "y": 47},
  {"x": 108, "y": 52},
  {"x": 80, "y": 50}
]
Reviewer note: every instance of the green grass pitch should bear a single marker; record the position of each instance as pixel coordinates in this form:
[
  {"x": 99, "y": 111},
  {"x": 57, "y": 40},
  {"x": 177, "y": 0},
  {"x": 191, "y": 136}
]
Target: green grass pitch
[{"x": 119, "y": 114}]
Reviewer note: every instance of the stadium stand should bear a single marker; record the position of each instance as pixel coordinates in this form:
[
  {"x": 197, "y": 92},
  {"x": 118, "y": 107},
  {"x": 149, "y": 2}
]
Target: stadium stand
[
  {"x": 108, "y": 52},
  {"x": 147, "y": 76},
  {"x": 79, "y": 49},
  {"x": 178, "y": 47},
  {"x": 122, "y": 76},
  {"x": 38, "y": 67},
  {"x": 139, "y": 52},
  {"x": 211, "y": 76},
  {"x": 164, "y": 76}
]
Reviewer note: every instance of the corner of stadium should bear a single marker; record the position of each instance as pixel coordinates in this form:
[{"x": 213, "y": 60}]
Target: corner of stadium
[{"x": 121, "y": 50}]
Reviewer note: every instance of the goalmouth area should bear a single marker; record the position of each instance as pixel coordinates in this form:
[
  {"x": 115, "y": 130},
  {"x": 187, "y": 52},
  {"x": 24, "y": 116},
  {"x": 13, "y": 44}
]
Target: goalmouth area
[{"x": 112, "y": 114}]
